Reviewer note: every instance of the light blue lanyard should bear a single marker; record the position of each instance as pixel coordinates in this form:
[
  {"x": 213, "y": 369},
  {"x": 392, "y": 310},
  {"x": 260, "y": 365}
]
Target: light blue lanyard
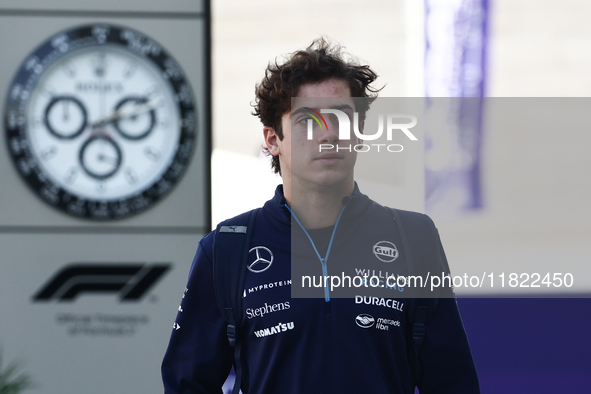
[{"x": 324, "y": 260}]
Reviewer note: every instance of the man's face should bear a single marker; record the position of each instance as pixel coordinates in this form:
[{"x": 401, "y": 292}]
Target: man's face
[{"x": 301, "y": 159}]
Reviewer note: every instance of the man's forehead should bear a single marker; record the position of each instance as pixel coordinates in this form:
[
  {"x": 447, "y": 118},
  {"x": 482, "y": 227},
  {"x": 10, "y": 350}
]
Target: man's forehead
[
  {"x": 317, "y": 103},
  {"x": 332, "y": 87}
]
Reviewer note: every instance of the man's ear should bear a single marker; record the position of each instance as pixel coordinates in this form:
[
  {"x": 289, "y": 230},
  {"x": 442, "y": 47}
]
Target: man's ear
[{"x": 271, "y": 140}]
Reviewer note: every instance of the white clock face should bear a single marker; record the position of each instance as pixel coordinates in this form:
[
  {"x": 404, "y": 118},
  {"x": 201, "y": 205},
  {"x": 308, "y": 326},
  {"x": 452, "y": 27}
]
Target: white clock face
[
  {"x": 105, "y": 127},
  {"x": 103, "y": 123}
]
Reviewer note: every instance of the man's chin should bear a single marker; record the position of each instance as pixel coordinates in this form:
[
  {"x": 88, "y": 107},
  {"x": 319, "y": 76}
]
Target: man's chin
[{"x": 328, "y": 181}]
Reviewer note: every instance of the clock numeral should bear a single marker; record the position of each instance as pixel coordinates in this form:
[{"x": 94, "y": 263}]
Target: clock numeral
[
  {"x": 32, "y": 62},
  {"x": 25, "y": 166},
  {"x": 37, "y": 122},
  {"x": 121, "y": 209},
  {"x": 158, "y": 104},
  {"x": 131, "y": 175},
  {"x": 69, "y": 70},
  {"x": 140, "y": 202},
  {"x": 152, "y": 153},
  {"x": 15, "y": 92},
  {"x": 175, "y": 170},
  {"x": 99, "y": 64},
  {"x": 48, "y": 91},
  {"x": 99, "y": 211},
  {"x": 101, "y": 32},
  {"x": 76, "y": 208},
  {"x": 25, "y": 94},
  {"x": 16, "y": 145},
  {"x": 15, "y": 120},
  {"x": 185, "y": 149},
  {"x": 50, "y": 194},
  {"x": 185, "y": 96},
  {"x": 129, "y": 70},
  {"x": 48, "y": 152},
  {"x": 152, "y": 91},
  {"x": 163, "y": 187},
  {"x": 173, "y": 71},
  {"x": 71, "y": 175},
  {"x": 188, "y": 123},
  {"x": 60, "y": 42}
]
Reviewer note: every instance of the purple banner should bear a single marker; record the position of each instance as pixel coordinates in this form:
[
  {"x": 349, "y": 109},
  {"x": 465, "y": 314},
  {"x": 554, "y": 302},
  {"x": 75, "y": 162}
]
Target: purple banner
[{"x": 456, "y": 32}]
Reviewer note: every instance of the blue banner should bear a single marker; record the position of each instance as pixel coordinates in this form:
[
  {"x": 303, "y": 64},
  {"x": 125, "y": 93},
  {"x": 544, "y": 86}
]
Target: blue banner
[{"x": 456, "y": 32}]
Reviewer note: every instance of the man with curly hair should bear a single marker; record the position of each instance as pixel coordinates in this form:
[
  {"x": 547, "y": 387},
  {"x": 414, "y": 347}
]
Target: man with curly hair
[{"x": 364, "y": 344}]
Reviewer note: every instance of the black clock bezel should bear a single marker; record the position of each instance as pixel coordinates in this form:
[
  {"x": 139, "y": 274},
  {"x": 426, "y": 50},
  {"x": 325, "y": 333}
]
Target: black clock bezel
[{"x": 24, "y": 83}]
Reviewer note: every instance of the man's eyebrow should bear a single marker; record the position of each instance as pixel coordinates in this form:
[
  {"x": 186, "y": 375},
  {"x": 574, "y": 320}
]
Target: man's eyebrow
[
  {"x": 300, "y": 110},
  {"x": 342, "y": 107}
]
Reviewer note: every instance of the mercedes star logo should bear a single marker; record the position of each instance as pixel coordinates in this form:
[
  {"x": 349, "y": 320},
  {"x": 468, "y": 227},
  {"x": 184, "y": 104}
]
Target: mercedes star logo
[{"x": 263, "y": 258}]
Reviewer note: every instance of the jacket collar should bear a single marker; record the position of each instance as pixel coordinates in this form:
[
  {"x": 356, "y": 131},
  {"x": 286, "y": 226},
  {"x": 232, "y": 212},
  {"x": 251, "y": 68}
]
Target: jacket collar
[{"x": 357, "y": 204}]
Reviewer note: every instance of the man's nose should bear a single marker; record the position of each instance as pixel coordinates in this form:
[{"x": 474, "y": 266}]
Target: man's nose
[{"x": 330, "y": 134}]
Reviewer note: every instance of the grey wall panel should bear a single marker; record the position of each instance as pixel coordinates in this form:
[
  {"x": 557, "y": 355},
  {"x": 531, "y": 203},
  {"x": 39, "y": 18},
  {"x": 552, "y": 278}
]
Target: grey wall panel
[
  {"x": 184, "y": 39},
  {"x": 97, "y": 342},
  {"x": 156, "y": 6},
  {"x": 94, "y": 343}
]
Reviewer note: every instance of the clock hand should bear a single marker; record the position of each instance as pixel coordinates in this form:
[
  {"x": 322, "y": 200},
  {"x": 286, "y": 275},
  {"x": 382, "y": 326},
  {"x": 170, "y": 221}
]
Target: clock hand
[
  {"x": 124, "y": 113},
  {"x": 66, "y": 109},
  {"x": 109, "y": 159}
]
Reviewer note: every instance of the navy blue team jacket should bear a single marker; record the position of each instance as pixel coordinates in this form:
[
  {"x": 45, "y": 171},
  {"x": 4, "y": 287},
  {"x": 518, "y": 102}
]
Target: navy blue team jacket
[{"x": 311, "y": 345}]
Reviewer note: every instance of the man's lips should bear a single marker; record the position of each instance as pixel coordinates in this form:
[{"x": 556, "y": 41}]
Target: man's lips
[{"x": 330, "y": 156}]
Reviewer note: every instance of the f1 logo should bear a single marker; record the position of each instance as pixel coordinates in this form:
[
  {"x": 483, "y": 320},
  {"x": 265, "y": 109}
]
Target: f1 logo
[{"x": 130, "y": 281}]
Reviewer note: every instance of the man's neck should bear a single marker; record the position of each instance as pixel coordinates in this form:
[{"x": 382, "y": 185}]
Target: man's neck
[{"x": 319, "y": 207}]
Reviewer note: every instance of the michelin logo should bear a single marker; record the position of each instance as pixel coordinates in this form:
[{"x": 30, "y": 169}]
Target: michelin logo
[{"x": 281, "y": 327}]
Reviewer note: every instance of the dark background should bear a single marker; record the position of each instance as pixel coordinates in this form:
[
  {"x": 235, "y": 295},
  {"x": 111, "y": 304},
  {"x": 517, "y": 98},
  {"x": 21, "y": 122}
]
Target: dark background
[{"x": 530, "y": 345}]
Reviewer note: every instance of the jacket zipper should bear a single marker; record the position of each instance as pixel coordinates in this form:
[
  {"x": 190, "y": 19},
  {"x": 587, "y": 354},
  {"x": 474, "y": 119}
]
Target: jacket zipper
[{"x": 323, "y": 260}]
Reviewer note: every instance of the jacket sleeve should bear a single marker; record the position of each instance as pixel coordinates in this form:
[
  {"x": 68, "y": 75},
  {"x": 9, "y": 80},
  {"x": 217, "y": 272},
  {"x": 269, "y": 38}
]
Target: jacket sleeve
[
  {"x": 445, "y": 356},
  {"x": 198, "y": 358}
]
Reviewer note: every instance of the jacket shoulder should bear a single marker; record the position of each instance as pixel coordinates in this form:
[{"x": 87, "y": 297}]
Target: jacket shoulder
[{"x": 407, "y": 216}]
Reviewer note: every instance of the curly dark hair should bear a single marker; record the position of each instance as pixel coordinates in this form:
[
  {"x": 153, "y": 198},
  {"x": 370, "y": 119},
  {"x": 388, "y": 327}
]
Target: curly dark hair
[{"x": 317, "y": 63}]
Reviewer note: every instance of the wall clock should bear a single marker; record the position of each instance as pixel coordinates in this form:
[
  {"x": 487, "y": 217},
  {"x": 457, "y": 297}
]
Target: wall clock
[{"x": 100, "y": 121}]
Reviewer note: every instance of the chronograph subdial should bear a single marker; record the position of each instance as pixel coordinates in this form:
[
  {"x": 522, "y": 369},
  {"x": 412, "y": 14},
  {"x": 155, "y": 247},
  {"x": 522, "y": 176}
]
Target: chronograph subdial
[
  {"x": 100, "y": 157},
  {"x": 65, "y": 117},
  {"x": 135, "y": 118}
]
